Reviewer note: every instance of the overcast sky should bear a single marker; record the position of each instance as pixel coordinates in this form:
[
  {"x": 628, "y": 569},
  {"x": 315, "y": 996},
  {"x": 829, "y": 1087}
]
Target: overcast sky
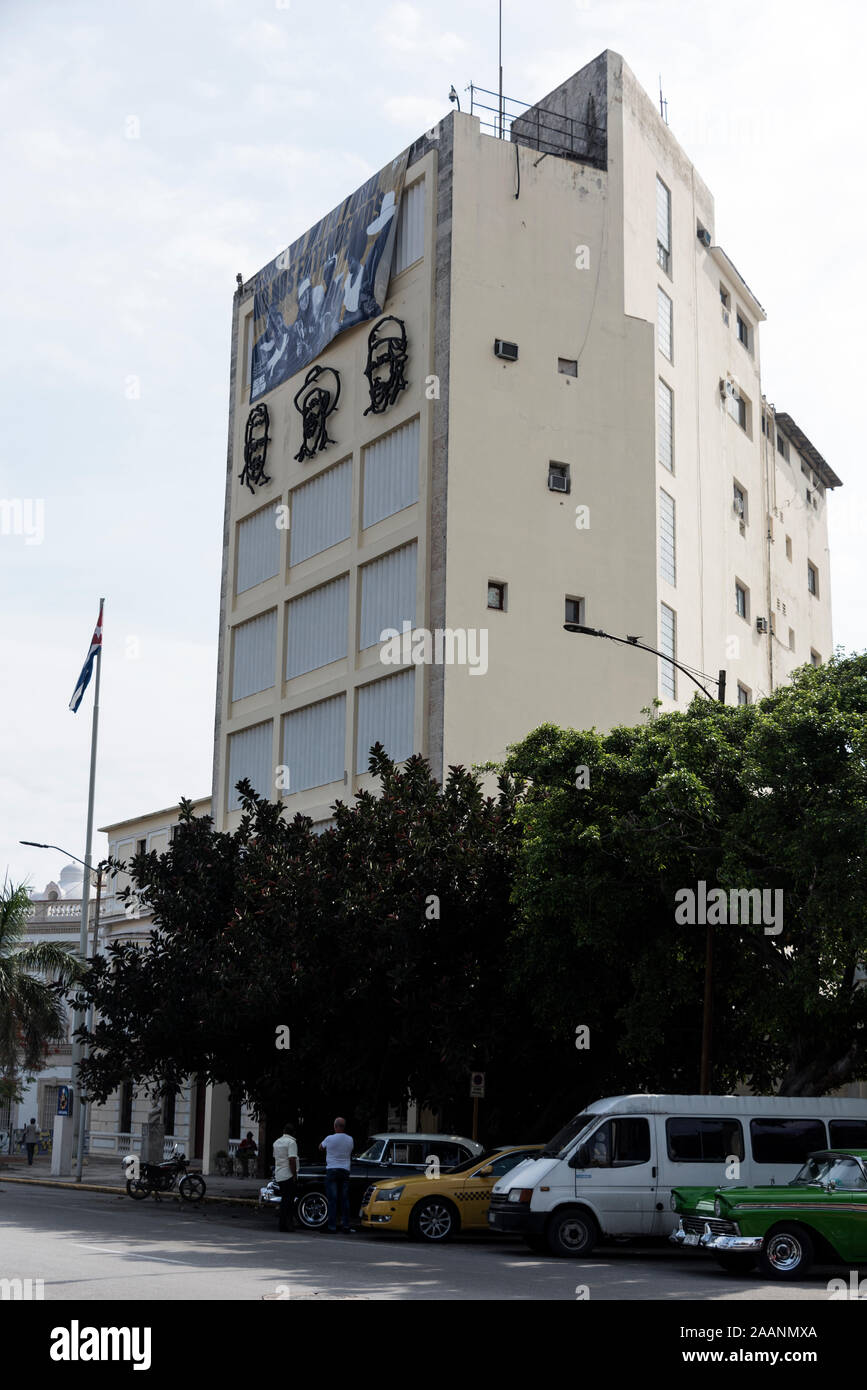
[{"x": 151, "y": 151}]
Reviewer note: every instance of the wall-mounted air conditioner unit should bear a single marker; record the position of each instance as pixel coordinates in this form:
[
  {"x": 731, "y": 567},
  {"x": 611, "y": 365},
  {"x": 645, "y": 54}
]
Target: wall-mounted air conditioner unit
[
  {"x": 507, "y": 351},
  {"x": 703, "y": 235},
  {"x": 557, "y": 482},
  {"x": 761, "y": 624}
]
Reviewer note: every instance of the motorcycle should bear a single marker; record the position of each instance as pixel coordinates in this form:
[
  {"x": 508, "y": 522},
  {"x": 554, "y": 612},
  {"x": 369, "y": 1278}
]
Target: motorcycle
[{"x": 153, "y": 1179}]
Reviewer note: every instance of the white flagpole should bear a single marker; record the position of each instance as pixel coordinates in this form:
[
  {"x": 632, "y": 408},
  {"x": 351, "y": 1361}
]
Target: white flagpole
[{"x": 78, "y": 1126}]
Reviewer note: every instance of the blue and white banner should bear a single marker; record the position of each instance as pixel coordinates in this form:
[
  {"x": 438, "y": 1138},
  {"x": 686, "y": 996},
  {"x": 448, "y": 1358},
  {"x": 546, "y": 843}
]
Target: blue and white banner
[{"x": 332, "y": 278}]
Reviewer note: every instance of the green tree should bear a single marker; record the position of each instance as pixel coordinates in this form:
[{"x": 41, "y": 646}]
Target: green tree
[
  {"x": 769, "y": 796},
  {"x": 34, "y": 978}
]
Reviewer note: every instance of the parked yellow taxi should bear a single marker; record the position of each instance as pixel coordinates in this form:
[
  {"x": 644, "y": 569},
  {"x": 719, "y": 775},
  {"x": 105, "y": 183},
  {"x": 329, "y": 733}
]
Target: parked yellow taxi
[{"x": 436, "y": 1205}]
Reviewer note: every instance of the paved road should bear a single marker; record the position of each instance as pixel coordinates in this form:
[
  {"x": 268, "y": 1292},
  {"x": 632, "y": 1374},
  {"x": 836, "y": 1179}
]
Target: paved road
[{"x": 87, "y": 1246}]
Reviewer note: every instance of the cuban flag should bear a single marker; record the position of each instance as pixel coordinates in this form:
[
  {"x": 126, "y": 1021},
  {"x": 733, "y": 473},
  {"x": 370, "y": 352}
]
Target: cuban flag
[{"x": 87, "y": 668}]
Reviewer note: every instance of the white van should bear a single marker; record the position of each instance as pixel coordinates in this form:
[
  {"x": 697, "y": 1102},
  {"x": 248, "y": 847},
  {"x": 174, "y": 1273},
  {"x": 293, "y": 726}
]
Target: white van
[{"x": 611, "y": 1170}]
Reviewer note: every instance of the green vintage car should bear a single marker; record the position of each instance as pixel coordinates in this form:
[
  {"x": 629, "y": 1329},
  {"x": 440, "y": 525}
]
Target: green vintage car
[{"x": 820, "y": 1215}]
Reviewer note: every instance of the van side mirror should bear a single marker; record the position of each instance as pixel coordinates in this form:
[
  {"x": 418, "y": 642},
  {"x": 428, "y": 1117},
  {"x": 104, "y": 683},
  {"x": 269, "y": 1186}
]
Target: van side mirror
[{"x": 581, "y": 1158}]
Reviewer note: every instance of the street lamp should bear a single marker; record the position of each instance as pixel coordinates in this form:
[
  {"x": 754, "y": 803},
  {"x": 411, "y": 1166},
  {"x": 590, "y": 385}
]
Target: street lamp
[
  {"x": 80, "y": 1120},
  {"x": 707, "y": 1011}
]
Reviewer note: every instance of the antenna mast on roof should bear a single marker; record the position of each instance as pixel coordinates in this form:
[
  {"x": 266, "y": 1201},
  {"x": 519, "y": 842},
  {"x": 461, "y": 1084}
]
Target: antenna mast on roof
[
  {"x": 663, "y": 103},
  {"x": 500, "y": 107}
]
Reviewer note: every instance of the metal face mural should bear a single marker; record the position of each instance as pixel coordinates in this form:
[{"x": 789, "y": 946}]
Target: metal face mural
[
  {"x": 386, "y": 361},
  {"x": 255, "y": 448},
  {"x": 315, "y": 401},
  {"x": 332, "y": 278}
]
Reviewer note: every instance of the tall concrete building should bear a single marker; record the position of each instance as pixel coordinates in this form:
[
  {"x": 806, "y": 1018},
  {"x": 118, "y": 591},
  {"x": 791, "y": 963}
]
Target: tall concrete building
[{"x": 583, "y": 435}]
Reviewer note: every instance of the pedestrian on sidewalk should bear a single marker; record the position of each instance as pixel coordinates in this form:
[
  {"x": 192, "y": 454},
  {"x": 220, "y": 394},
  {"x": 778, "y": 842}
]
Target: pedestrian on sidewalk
[
  {"x": 246, "y": 1150},
  {"x": 30, "y": 1140},
  {"x": 338, "y": 1157},
  {"x": 285, "y": 1173}
]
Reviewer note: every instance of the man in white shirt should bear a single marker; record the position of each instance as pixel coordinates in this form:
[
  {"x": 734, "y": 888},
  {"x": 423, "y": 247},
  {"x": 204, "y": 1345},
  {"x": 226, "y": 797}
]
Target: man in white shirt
[
  {"x": 285, "y": 1172},
  {"x": 338, "y": 1156}
]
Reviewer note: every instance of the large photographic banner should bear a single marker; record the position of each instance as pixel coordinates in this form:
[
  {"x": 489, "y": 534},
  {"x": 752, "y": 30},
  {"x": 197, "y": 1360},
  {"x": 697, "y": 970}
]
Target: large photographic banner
[{"x": 333, "y": 277}]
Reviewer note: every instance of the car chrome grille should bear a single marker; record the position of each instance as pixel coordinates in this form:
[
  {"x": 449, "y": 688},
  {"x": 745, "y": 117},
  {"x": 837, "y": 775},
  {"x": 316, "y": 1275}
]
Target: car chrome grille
[
  {"x": 500, "y": 1201},
  {"x": 719, "y": 1227}
]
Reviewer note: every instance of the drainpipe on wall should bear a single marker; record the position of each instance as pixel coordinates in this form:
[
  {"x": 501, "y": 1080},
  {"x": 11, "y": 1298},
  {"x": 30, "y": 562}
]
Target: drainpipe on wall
[{"x": 770, "y": 503}]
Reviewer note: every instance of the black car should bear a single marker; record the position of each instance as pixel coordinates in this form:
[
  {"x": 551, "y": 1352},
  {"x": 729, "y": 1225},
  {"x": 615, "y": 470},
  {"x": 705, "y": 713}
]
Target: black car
[{"x": 383, "y": 1156}]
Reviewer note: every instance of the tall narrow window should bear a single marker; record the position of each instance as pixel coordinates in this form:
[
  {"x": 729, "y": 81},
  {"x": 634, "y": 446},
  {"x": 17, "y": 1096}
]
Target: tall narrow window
[
  {"x": 740, "y": 600},
  {"x": 668, "y": 645},
  {"x": 812, "y": 580},
  {"x": 667, "y": 566},
  {"x": 663, "y": 225},
  {"x": 663, "y": 324},
  {"x": 665, "y": 421}
]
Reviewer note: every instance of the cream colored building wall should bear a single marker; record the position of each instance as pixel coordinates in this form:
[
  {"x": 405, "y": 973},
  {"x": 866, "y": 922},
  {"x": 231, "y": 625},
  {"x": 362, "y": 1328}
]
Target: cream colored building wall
[
  {"x": 514, "y": 276},
  {"x": 807, "y": 527},
  {"x": 711, "y": 451},
  {"x": 410, "y": 298}
]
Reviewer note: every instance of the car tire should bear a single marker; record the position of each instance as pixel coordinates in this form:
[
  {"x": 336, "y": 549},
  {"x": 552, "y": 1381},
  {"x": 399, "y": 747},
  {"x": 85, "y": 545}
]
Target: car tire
[
  {"x": 735, "y": 1262},
  {"x": 787, "y": 1253},
  {"x": 312, "y": 1209},
  {"x": 434, "y": 1219},
  {"x": 572, "y": 1234}
]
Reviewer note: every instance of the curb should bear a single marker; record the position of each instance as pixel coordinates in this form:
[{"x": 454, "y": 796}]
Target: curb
[{"x": 117, "y": 1191}]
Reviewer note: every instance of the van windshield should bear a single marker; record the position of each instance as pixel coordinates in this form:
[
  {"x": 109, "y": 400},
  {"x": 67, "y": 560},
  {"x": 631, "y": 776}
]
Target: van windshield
[{"x": 564, "y": 1137}]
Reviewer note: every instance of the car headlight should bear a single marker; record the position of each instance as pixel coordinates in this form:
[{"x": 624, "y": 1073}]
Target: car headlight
[
  {"x": 717, "y": 1207},
  {"x": 388, "y": 1194},
  {"x": 520, "y": 1194},
  {"x": 672, "y": 1202}
]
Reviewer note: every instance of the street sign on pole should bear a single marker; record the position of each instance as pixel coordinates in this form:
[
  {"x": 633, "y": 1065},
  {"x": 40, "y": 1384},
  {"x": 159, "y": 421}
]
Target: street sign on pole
[{"x": 477, "y": 1084}]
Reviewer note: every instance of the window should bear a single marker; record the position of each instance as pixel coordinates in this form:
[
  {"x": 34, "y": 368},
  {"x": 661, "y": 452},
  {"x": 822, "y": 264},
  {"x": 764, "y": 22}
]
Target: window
[
  {"x": 567, "y": 366},
  {"x": 321, "y": 512},
  {"x": 704, "y": 1141},
  {"x": 663, "y": 226},
  {"x": 668, "y": 645},
  {"x": 667, "y": 564},
  {"x": 141, "y": 846},
  {"x": 314, "y": 745},
  {"x": 317, "y": 624},
  {"x": 736, "y": 405},
  {"x": 791, "y": 639},
  {"x": 409, "y": 241},
  {"x": 663, "y": 324},
  {"x": 169, "y": 1113},
  {"x": 250, "y": 756},
  {"x": 386, "y": 713},
  {"x": 125, "y": 1108},
  {"x": 744, "y": 333},
  {"x": 848, "y": 1134},
  {"x": 388, "y": 588},
  {"x": 497, "y": 595},
  {"x": 174, "y": 832},
  {"x": 665, "y": 415},
  {"x": 390, "y": 473},
  {"x": 782, "y": 446},
  {"x": 815, "y": 659},
  {"x": 785, "y": 1141},
  {"x": 258, "y": 549},
  {"x": 575, "y": 610},
  {"x": 788, "y": 547},
  {"x": 741, "y": 605},
  {"x": 739, "y": 501},
  {"x": 812, "y": 580},
  {"x": 559, "y": 477},
  {"x": 725, "y": 297},
  {"x": 254, "y": 658},
  {"x": 619, "y": 1143},
  {"x": 744, "y": 695}
]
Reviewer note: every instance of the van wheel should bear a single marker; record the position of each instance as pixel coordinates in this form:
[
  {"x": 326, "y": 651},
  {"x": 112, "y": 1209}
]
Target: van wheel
[
  {"x": 572, "y": 1233},
  {"x": 735, "y": 1263},
  {"x": 787, "y": 1253}
]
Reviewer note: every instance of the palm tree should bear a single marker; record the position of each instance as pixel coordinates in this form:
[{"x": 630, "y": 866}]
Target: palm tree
[{"x": 33, "y": 979}]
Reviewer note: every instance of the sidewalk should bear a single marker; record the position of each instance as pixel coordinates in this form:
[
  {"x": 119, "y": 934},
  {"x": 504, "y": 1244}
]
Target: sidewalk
[{"x": 106, "y": 1174}]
